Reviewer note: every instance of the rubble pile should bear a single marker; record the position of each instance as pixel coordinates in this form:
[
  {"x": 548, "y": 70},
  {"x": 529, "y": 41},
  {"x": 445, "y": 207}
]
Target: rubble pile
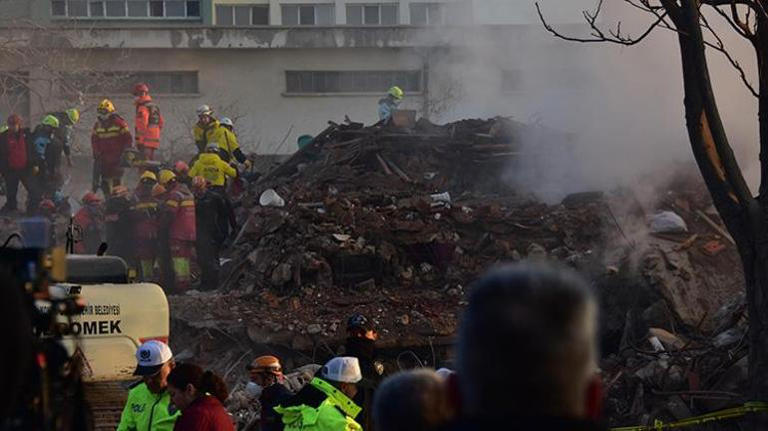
[{"x": 397, "y": 223}]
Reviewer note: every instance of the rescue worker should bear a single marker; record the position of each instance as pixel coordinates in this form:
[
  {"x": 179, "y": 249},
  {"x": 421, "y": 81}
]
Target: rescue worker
[
  {"x": 149, "y": 122},
  {"x": 43, "y": 139},
  {"x": 213, "y": 215},
  {"x": 361, "y": 344},
  {"x": 390, "y": 103},
  {"x": 89, "y": 219},
  {"x": 149, "y": 402},
  {"x": 211, "y": 167},
  {"x": 18, "y": 164},
  {"x": 181, "y": 169},
  {"x": 177, "y": 218},
  {"x": 325, "y": 404},
  {"x": 110, "y": 137},
  {"x": 266, "y": 375},
  {"x": 209, "y": 130},
  {"x": 144, "y": 214},
  {"x": 63, "y": 138},
  {"x": 119, "y": 224}
]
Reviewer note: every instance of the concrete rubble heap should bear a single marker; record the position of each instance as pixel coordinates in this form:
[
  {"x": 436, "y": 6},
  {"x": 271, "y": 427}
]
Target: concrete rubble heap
[{"x": 397, "y": 223}]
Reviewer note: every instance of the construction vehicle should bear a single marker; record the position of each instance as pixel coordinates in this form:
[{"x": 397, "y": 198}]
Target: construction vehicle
[{"x": 118, "y": 316}]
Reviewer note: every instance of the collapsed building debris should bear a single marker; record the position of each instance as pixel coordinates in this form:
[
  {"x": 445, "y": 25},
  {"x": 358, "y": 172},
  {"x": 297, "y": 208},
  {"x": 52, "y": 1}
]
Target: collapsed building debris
[{"x": 397, "y": 223}]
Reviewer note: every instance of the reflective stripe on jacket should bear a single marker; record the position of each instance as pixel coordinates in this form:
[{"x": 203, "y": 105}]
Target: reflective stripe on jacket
[
  {"x": 213, "y": 169},
  {"x": 109, "y": 138},
  {"x": 147, "y": 411},
  {"x": 149, "y": 124},
  {"x": 179, "y": 208},
  {"x": 214, "y": 132},
  {"x": 336, "y": 413}
]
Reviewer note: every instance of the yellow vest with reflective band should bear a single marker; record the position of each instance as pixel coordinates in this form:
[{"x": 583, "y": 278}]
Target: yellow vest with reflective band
[
  {"x": 213, "y": 169},
  {"x": 147, "y": 411},
  {"x": 215, "y": 132},
  {"x": 335, "y": 413}
]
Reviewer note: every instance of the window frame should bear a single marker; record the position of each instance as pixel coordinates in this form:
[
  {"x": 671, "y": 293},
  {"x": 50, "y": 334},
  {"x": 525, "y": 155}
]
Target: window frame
[
  {"x": 314, "y": 7},
  {"x": 380, "y": 11},
  {"x": 147, "y": 17},
  {"x": 427, "y": 5},
  {"x": 126, "y": 79},
  {"x": 351, "y": 82},
  {"x": 251, "y": 8}
]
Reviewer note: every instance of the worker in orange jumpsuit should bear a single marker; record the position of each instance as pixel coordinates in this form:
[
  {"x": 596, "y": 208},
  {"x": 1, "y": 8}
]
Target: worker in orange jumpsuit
[
  {"x": 177, "y": 218},
  {"x": 145, "y": 226},
  {"x": 109, "y": 138},
  {"x": 89, "y": 221},
  {"x": 149, "y": 122}
]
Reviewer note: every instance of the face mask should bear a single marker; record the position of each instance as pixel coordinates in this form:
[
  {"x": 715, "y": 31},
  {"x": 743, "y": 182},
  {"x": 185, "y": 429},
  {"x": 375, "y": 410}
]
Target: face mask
[{"x": 253, "y": 389}]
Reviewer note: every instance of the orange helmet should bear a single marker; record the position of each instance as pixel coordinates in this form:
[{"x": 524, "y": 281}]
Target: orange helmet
[
  {"x": 181, "y": 167},
  {"x": 91, "y": 198},
  {"x": 198, "y": 183},
  {"x": 266, "y": 364},
  {"x": 158, "y": 190}
]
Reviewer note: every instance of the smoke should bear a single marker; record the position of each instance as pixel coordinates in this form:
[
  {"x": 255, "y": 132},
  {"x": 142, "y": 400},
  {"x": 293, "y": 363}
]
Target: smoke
[{"x": 622, "y": 106}]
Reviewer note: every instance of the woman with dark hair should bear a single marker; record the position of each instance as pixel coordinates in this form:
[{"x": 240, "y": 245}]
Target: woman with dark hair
[{"x": 199, "y": 395}]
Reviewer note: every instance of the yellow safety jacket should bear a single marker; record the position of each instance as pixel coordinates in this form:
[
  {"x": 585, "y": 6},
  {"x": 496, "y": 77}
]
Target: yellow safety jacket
[
  {"x": 147, "y": 411},
  {"x": 336, "y": 413},
  {"x": 214, "y": 132},
  {"x": 213, "y": 169}
]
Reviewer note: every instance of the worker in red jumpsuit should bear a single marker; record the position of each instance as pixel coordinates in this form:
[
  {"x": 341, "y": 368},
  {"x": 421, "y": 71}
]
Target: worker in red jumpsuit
[
  {"x": 19, "y": 163},
  {"x": 178, "y": 219},
  {"x": 145, "y": 226},
  {"x": 89, "y": 221},
  {"x": 109, "y": 138},
  {"x": 149, "y": 122}
]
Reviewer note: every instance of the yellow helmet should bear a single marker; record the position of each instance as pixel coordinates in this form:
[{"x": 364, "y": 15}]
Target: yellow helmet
[
  {"x": 74, "y": 115},
  {"x": 148, "y": 175},
  {"x": 50, "y": 120},
  {"x": 396, "y": 92},
  {"x": 106, "y": 106},
  {"x": 166, "y": 176}
]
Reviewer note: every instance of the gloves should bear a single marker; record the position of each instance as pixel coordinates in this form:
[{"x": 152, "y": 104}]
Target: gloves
[
  {"x": 35, "y": 170},
  {"x": 248, "y": 164}
]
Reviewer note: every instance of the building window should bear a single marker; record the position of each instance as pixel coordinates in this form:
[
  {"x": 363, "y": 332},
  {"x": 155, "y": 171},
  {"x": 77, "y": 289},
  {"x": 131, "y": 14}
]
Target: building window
[
  {"x": 426, "y": 13},
  {"x": 510, "y": 80},
  {"x": 379, "y": 14},
  {"x": 242, "y": 15},
  {"x": 142, "y": 9},
  {"x": 318, "y": 14},
  {"x": 308, "y": 82},
  {"x": 102, "y": 83}
]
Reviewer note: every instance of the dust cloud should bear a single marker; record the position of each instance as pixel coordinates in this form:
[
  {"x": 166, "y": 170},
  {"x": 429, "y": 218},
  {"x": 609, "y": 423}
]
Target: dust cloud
[{"x": 622, "y": 106}]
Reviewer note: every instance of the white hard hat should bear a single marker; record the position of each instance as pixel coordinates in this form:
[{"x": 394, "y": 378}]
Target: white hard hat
[
  {"x": 226, "y": 121},
  {"x": 204, "y": 110},
  {"x": 344, "y": 369},
  {"x": 151, "y": 356}
]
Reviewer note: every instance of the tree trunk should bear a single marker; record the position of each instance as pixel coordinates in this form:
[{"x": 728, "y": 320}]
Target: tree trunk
[{"x": 742, "y": 214}]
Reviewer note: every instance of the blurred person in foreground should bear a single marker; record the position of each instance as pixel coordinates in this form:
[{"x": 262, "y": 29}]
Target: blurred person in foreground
[
  {"x": 415, "y": 400},
  {"x": 266, "y": 384},
  {"x": 199, "y": 395},
  {"x": 527, "y": 352}
]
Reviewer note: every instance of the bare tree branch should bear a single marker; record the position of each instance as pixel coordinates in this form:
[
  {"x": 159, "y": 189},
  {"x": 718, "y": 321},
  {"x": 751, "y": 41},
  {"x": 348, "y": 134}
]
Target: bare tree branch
[
  {"x": 719, "y": 46},
  {"x": 598, "y": 35}
]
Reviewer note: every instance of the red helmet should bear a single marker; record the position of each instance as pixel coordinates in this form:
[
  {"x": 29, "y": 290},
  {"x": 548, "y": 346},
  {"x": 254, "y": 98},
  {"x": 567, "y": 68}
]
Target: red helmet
[
  {"x": 120, "y": 191},
  {"x": 140, "y": 88},
  {"x": 47, "y": 205},
  {"x": 91, "y": 198},
  {"x": 181, "y": 167}
]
